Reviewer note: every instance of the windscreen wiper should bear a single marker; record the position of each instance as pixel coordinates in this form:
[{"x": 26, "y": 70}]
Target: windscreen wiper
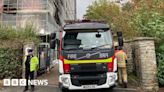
[
  {"x": 73, "y": 49},
  {"x": 100, "y": 46},
  {"x": 88, "y": 55}
]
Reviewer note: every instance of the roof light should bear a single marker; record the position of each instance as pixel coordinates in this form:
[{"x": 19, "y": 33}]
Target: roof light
[{"x": 84, "y": 21}]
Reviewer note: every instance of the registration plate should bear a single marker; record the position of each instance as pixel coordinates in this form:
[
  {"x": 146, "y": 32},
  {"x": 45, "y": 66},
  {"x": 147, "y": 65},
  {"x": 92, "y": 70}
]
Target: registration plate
[{"x": 89, "y": 86}]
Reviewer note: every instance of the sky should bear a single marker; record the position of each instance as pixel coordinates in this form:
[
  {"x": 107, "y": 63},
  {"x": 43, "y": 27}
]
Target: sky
[{"x": 82, "y": 7}]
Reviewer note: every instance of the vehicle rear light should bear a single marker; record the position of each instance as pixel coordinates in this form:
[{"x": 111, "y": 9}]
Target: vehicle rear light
[
  {"x": 65, "y": 66},
  {"x": 110, "y": 65}
]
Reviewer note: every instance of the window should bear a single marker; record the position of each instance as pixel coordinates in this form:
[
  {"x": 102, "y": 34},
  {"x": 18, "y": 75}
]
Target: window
[{"x": 87, "y": 40}]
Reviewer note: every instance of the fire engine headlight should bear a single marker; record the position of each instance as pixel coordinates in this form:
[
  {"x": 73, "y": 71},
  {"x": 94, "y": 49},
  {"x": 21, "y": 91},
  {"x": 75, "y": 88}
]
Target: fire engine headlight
[
  {"x": 112, "y": 78},
  {"x": 115, "y": 76},
  {"x": 65, "y": 80}
]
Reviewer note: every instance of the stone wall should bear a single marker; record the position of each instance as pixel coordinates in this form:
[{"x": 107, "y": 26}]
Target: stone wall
[
  {"x": 128, "y": 49},
  {"x": 142, "y": 62}
]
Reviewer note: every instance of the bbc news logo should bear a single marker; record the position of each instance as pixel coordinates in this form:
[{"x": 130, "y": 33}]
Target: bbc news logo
[{"x": 22, "y": 82}]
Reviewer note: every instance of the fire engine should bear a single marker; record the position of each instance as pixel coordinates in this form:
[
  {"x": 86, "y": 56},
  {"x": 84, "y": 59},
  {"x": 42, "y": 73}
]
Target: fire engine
[{"x": 86, "y": 55}]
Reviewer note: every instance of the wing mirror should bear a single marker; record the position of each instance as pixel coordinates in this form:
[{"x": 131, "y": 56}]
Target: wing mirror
[
  {"x": 53, "y": 41},
  {"x": 120, "y": 39}
]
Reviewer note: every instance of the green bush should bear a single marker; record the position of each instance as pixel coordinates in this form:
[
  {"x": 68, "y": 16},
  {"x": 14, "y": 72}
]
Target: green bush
[
  {"x": 27, "y": 34},
  {"x": 160, "y": 64},
  {"x": 11, "y": 49},
  {"x": 10, "y": 62},
  {"x": 160, "y": 59}
]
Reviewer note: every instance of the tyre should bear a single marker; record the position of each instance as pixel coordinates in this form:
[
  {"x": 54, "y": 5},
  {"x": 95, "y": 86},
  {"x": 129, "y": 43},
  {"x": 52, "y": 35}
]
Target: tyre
[
  {"x": 62, "y": 89},
  {"x": 111, "y": 88}
]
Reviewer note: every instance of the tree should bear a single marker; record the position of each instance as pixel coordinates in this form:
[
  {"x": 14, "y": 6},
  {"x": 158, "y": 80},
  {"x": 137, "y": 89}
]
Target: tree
[
  {"x": 136, "y": 18},
  {"x": 112, "y": 13}
]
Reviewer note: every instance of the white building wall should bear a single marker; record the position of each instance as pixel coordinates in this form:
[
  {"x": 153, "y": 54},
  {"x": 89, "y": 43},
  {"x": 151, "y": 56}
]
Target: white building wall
[
  {"x": 61, "y": 10},
  {"x": 47, "y": 15},
  {"x": 70, "y": 9}
]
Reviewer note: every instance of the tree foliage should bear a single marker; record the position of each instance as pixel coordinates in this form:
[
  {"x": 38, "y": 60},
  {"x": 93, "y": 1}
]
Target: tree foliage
[
  {"x": 136, "y": 18},
  {"x": 111, "y": 12},
  {"x": 20, "y": 35}
]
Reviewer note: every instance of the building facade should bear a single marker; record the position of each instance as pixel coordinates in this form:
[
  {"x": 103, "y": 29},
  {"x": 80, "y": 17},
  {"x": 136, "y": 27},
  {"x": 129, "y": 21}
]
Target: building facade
[
  {"x": 70, "y": 8},
  {"x": 46, "y": 15}
]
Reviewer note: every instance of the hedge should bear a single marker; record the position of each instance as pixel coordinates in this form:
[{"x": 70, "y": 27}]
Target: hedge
[
  {"x": 11, "y": 49},
  {"x": 10, "y": 62}
]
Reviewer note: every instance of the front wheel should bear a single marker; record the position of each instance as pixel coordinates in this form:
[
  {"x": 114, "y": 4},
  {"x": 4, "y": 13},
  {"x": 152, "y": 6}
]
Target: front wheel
[
  {"x": 62, "y": 89},
  {"x": 111, "y": 88}
]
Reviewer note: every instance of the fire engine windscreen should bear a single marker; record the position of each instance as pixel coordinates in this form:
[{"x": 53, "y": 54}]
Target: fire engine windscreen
[{"x": 86, "y": 39}]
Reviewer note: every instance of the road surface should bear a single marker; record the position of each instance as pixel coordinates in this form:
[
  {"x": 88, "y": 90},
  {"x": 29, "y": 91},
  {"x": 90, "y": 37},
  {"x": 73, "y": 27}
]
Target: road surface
[
  {"x": 53, "y": 85},
  {"x": 56, "y": 89}
]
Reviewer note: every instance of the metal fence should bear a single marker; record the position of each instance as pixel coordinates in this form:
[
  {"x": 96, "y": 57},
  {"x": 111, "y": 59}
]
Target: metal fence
[{"x": 24, "y": 4}]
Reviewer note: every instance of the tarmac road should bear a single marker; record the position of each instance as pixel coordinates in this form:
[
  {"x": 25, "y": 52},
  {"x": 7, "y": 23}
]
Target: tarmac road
[
  {"x": 56, "y": 89},
  {"x": 53, "y": 85}
]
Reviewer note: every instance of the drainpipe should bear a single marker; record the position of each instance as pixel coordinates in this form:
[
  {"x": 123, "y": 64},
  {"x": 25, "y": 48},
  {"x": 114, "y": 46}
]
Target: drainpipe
[{"x": 75, "y": 8}]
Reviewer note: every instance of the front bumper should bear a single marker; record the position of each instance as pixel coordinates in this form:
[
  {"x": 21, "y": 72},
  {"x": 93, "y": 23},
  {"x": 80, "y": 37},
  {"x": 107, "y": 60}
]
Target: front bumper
[{"x": 65, "y": 81}]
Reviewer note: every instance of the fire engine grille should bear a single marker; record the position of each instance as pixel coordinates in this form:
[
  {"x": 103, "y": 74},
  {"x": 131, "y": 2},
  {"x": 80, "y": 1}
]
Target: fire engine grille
[
  {"x": 88, "y": 67},
  {"x": 81, "y": 69},
  {"x": 88, "y": 80}
]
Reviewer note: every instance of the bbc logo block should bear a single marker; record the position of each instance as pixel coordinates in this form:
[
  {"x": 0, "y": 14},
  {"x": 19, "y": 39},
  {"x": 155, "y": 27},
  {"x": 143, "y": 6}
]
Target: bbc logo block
[
  {"x": 6, "y": 82},
  {"x": 14, "y": 82},
  {"x": 22, "y": 82}
]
